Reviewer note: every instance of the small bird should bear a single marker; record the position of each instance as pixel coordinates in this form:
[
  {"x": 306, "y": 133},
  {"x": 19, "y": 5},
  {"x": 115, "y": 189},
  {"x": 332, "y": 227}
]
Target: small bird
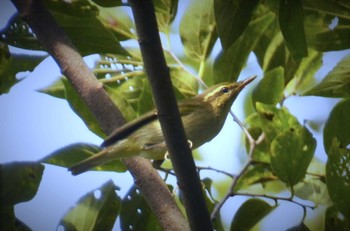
[{"x": 203, "y": 116}]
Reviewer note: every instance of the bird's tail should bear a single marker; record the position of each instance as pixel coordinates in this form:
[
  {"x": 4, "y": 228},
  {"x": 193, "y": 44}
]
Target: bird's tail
[{"x": 100, "y": 158}]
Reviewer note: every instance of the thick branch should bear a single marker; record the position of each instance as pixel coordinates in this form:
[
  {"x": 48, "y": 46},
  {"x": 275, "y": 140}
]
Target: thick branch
[
  {"x": 168, "y": 114},
  {"x": 53, "y": 38}
]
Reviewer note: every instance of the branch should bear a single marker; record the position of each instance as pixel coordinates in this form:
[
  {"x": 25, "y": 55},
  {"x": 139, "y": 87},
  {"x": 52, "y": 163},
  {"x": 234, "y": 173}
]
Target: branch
[
  {"x": 53, "y": 38},
  {"x": 168, "y": 114}
]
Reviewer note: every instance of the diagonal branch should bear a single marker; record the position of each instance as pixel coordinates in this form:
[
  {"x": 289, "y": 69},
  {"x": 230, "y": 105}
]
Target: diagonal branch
[
  {"x": 169, "y": 116},
  {"x": 53, "y": 38}
]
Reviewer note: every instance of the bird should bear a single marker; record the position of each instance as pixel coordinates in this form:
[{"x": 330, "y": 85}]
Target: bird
[{"x": 203, "y": 117}]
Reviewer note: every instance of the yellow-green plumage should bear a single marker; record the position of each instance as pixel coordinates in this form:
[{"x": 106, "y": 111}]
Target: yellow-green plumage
[{"x": 203, "y": 117}]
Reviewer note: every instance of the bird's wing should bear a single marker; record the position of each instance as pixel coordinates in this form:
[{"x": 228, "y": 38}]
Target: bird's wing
[
  {"x": 128, "y": 128},
  {"x": 185, "y": 108}
]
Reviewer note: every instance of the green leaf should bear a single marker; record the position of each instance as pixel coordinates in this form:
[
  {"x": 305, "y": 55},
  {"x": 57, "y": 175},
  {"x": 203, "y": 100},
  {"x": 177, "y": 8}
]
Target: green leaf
[
  {"x": 74, "y": 153},
  {"x": 228, "y": 64},
  {"x": 258, "y": 173},
  {"x": 336, "y": 83},
  {"x": 198, "y": 30},
  {"x": 270, "y": 88},
  {"x": 291, "y": 19},
  {"x": 79, "y": 107},
  {"x": 300, "y": 75},
  {"x": 250, "y": 213},
  {"x": 97, "y": 210},
  {"x": 118, "y": 22},
  {"x": 135, "y": 213},
  {"x": 17, "y": 33},
  {"x": 291, "y": 154},
  {"x": 108, "y": 3},
  {"x": 338, "y": 177},
  {"x": 56, "y": 89},
  {"x": 274, "y": 121},
  {"x": 335, "y": 221},
  {"x": 165, "y": 12},
  {"x": 314, "y": 190},
  {"x": 299, "y": 227},
  {"x": 319, "y": 15},
  {"x": 19, "y": 182},
  {"x": 337, "y": 125},
  {"x": 232, "y": 18},
  {"x": 12, "y": 64}
]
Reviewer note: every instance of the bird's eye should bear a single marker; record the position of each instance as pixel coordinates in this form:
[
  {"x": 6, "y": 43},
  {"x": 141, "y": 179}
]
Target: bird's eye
[{"x": 224, "y": 89}]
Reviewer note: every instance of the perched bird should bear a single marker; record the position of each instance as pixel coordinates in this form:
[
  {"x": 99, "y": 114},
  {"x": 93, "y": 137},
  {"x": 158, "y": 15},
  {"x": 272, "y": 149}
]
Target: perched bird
[{"x": 202, "y": 116}]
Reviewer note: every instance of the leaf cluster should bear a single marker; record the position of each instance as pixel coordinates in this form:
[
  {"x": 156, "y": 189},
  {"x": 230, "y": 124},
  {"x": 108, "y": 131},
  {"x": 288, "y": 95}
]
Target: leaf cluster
[{"x": 288, "y": 38}]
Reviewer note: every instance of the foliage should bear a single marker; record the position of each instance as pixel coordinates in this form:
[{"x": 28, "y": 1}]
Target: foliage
[{"x": 287, "y": 38}]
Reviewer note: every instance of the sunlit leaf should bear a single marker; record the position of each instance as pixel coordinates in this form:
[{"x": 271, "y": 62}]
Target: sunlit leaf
[
  {"x": 165, "y": 12},
  {"x": 336, "y": 83},
  {"x": 338, "y": 177},
  {"x": 232, "y": 18},
  {"x": 13, "y": 64},
  {"x": 118, "y": 21},
  {"x": 135, "y": 213},
  {"x": 228, "y": 64},
  {"x": 97, "y": 210},
  {"x": 291, "y": 153},
  {"x": 79, "y": 107},
  {"x": 74, "y": 153},
  {"x": 250, "y": 213},
  {"x": 313, "y": 190},
  {"x": 291, "y": 20},
  {"x": 258, "y": 173},
  {"x": 198, "y": 30},
  {"x": 108, "y": 3},
  {"x": 338, "y": 125},
  {"x": 270, "y": 88},
  {"x": 19, "y": 182}
]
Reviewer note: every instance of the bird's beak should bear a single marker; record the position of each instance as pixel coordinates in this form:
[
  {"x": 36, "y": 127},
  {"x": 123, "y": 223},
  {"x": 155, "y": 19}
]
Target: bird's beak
[{"x": 245, "y": 82}]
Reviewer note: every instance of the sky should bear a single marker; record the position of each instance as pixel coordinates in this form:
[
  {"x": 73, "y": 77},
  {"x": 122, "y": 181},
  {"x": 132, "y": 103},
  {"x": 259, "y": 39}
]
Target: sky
[{"x": 34, "y": 125}]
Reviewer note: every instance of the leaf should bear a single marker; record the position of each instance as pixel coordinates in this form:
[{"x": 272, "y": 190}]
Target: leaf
[
  {"x": 338, "y": 177},
  {"x": 291, "y": 154},
  {"x": 108, "y": 3},
  {"x": 56, "y": 89},
  {"x": 299, "y": 227},
  {"x": 300, "y": 75},
  {"x": 270, "y": 88},
  {"x": 274, "y": 121},
  {"x": 319, "y": 15},
  {"x": 258, "y": 173},
  {"x": 97, "y": 210},
  {"x": 336, "y": 83},
  {"x": 232, "y": 18},
  {"x": 335, "y": 221},
  {"x": 13, "y": 64},
  {"x": 337, "y": 125},
  {"x": 165, "y": 12},
  {"x": 17, "y": 33},
  {"x": 228, "y": 64},
  {"x": 74, "y": 153},
  {"x": 313, "y": 190},
  {"x": 291, "y": 20},
  {"x": 79, "y": 107},
  {"x": 197, "y": 29},
  {"x": 118, "y": 22},
  {"x": 250, "y": 213},
  {"x": 135, "y": 213},
  {"x": 19, "y": 182}
]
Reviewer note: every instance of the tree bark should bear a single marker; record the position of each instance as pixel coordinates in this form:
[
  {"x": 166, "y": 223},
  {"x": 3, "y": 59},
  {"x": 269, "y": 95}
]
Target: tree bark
[{"x": 174, "y": 134}]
